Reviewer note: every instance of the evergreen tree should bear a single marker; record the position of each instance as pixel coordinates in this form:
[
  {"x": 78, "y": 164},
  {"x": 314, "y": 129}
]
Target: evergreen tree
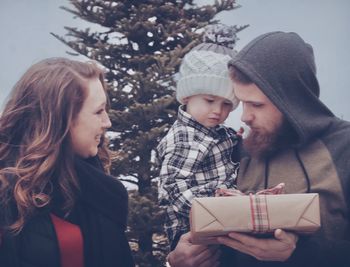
[{"x": 141, "y": 43}]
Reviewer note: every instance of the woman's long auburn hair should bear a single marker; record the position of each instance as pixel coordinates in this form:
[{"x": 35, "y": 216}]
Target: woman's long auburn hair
[{"x": 34, "y": 135}]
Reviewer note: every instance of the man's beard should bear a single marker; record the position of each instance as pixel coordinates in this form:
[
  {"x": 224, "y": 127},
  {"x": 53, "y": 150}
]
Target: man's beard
[{"x": 264, "y": 144}]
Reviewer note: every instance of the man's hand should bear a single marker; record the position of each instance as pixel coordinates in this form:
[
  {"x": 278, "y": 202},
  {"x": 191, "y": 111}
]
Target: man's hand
[
  {"x": 279, "y": 248},
  {"x": 187, "y": 254}
]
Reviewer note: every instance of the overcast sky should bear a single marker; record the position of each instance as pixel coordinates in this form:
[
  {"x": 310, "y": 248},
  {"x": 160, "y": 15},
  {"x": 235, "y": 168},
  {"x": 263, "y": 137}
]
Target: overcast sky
[
  {"x": 26, "y": 26},
  {"x": 322, "y": 23}
]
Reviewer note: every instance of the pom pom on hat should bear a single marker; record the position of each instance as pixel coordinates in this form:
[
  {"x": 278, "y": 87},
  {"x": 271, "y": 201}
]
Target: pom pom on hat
[{"x": 204, "y": 69}]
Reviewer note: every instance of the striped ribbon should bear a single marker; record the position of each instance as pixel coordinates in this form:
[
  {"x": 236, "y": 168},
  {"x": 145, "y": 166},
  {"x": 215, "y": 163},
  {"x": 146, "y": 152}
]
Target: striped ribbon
[{"x": 260, "y": 216}]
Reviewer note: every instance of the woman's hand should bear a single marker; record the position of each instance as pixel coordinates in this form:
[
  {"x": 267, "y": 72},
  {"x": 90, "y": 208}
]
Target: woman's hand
[
  {"x": 187, "y": 254},
  {"x": 279, "y": 248}
]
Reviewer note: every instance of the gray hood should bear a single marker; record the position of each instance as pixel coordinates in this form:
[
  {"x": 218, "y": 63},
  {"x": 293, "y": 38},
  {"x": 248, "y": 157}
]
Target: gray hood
[{"x": 282, "y": 65}]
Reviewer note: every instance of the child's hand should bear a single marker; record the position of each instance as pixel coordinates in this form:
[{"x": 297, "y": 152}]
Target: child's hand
[
  {"x": 275, "y": 190},
  {"x": 229, "y": 192},
  {"x": 224, "y": 192},
  {"x": 240, "y": 132}
]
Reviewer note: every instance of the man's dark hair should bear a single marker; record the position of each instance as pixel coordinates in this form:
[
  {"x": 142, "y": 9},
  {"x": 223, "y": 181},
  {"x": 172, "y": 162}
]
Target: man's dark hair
[{"x": 238, "y": 76}]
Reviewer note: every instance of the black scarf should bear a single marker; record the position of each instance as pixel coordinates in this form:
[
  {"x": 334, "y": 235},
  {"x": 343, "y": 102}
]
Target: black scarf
[{"x": 101, "y": 210}]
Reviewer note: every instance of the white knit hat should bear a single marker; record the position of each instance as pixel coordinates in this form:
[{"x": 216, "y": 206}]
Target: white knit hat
[{"x": 204, "y": 71}]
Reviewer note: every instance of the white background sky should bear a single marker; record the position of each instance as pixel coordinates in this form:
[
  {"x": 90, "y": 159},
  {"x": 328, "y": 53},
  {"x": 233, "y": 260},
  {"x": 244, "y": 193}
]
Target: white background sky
[{"x": 26, "y": 26}]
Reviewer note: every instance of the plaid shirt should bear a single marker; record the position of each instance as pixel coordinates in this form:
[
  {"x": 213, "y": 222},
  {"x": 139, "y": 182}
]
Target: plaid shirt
[{"x": 194, "y": 161}]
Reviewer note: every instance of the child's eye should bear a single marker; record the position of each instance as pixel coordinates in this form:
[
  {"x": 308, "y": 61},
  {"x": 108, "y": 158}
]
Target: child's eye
[
  {"x": 257, "y": 105},
  {"x": 209, "y": 100},
  {"x": 228, "y": 103},
  {"x": 100, "y": 111}
]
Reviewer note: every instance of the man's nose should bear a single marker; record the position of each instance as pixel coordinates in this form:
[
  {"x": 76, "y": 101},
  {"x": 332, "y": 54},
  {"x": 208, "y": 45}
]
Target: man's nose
[{"x": 247, "y": 115}]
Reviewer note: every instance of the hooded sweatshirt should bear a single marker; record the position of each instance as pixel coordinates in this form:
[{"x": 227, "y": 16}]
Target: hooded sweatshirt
[{"x": 282, "y": 66}]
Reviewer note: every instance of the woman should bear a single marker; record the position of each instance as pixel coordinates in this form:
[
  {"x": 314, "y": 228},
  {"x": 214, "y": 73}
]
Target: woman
[{"x": 58, "y": 205}]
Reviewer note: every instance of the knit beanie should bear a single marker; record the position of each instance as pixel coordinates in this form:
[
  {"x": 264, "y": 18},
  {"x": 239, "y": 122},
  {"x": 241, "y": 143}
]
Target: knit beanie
[{"x": 204, "y": 69}]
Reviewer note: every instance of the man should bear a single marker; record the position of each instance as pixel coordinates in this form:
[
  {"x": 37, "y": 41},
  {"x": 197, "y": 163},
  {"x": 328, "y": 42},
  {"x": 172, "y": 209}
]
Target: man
[{"x": 294, "y": 138}]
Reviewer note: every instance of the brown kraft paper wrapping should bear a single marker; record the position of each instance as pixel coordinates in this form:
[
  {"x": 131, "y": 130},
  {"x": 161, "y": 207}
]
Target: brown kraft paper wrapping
[{"x": 256, "y": 214}]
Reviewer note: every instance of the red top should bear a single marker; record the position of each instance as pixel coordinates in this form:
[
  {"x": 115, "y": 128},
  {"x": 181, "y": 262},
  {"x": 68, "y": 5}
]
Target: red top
[{"x": 70, "y": 242}]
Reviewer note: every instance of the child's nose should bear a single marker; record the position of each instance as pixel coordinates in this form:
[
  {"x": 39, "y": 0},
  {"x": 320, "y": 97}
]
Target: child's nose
[{"x": 217, "y": 108}]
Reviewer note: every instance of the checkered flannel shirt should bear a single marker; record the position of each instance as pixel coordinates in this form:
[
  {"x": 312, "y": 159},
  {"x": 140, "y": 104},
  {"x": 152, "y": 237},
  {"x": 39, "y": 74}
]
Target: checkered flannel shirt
[{"x": 194, "y": 161}]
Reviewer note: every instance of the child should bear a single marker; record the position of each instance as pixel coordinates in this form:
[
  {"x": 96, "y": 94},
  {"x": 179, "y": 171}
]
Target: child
[{"x": 197, "y": 156}]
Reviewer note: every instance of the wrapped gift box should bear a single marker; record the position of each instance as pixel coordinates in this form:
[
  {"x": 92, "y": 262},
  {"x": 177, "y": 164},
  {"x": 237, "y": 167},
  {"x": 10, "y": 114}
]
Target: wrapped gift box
[{"x": 257, "y": 214}]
